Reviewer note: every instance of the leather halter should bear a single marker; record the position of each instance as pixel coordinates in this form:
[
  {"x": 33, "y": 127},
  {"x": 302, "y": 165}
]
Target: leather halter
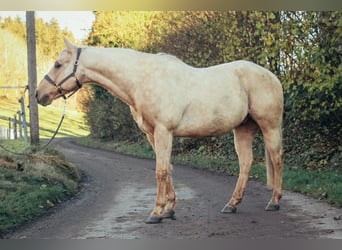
[{"x": 59, "y": 85}]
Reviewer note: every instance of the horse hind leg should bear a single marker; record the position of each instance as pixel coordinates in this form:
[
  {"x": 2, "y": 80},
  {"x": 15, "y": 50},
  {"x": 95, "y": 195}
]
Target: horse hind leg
[
  {"x": 243, "y": 138},
  {"x": 273, "y": 149}
]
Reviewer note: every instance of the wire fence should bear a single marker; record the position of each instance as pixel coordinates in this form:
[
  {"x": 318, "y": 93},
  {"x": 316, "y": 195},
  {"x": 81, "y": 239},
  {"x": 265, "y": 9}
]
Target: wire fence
[
  {"x": 6, "y": 133},
  {"x": 16, "y": 129},
  {"x": 17, "y": 126}
]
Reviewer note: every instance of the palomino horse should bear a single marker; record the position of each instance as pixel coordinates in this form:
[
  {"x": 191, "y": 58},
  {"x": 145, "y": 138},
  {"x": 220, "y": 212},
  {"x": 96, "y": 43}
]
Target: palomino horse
[{"x": 169, "y": 98}]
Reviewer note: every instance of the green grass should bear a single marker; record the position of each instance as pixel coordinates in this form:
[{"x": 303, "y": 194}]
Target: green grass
[
  {"x": 30, "y": 184},
  {"x": 49, "y": 117},
  {"x": 323, "y": 184}
]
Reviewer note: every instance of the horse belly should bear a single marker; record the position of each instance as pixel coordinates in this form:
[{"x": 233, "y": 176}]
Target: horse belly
[{"x": 210, "y": 121}]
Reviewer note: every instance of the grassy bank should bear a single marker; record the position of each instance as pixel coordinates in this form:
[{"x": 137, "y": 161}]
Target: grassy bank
[
  {"x": 32, "y": 183},
  {"x": 321, "y": 184}
]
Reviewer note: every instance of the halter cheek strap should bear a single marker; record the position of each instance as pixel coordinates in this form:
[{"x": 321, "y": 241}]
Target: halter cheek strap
[{"x": 72, "y": 74}]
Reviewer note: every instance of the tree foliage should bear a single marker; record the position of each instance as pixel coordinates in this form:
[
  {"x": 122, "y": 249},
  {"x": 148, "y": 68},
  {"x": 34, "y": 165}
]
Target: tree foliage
[
  {"x": 313, "y": 68},
  {"x": 48, "y": 34},
  {"x": 12, "y": 50},
  {"x": 108, "y": 117}
]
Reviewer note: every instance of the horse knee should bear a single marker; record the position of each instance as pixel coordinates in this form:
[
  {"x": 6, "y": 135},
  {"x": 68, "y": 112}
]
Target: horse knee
[
  {"x": 246, "y": 165},
  {"x": 162, "y": 175}
]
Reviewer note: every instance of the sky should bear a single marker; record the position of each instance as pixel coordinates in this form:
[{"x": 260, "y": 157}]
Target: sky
[{"x": 78, "y": 22}]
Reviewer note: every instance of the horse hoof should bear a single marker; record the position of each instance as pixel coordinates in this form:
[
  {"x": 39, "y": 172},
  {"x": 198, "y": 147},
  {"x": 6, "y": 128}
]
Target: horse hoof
[
  {"x": 272, "y": 207},
  {"x": 169, "y": 215},
  {"x": 228, "y": 210},
  {"x": 153, "y": 219}
]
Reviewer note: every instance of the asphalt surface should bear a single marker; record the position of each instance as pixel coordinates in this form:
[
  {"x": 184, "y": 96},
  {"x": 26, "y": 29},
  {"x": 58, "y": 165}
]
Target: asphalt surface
[{"x": 117, "y": 194}]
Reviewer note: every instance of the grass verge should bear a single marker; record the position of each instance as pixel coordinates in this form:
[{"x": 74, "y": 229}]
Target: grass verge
[
  {"x": 325, "y": 184},
  {"x": 32, "y": 183}
]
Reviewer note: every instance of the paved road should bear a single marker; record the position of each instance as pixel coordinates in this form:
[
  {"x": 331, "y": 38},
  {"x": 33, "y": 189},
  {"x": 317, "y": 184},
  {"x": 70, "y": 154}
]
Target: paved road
[{"x": 118, "y": 192}]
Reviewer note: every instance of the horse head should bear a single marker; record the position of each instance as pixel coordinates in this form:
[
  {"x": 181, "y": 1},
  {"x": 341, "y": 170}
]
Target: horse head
[{"x": 62, "y": 77}]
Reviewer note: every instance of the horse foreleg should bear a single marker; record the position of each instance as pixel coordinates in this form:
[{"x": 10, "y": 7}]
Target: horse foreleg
[
  {"x": 169, "y": 210},
  {"x": 243, "y": 138},
  {"x": 165, "y": 191},
  {"x": 170, "y": 192}
]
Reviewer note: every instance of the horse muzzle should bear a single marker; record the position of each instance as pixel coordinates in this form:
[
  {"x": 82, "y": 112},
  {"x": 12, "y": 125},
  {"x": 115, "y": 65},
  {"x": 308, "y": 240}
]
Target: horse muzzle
[{"x": 44, "y": 99}]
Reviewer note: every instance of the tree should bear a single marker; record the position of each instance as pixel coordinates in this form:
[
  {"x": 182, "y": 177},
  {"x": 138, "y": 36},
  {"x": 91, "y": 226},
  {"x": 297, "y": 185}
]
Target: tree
[
  {"x": 313, "y": 66},
  {"x": 16, "y": 26},
  {"x": 50, "y": 38},
  {"x": 13, "y": 58}
]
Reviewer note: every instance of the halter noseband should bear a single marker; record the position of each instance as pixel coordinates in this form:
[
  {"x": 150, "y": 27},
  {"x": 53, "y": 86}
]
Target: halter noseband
[{"x": 58, "y": 86}]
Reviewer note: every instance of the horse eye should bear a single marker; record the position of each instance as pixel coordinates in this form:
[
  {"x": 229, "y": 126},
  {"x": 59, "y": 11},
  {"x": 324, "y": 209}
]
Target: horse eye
[{"x": 57, "y": 65}]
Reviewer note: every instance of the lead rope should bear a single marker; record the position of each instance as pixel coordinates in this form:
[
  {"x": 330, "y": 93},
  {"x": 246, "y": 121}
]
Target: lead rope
[{"x": 59, "y": 125}]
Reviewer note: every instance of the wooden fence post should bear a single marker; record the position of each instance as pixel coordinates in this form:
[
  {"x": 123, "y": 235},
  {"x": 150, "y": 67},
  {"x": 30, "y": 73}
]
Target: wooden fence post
[
  {"x": 15, "y": 127},
  {"x": 20, "y": 124},
  {"x": 23, "y": 113},
  {"x": 9, "y": 128},
  {"x": 32, "y": 77}
]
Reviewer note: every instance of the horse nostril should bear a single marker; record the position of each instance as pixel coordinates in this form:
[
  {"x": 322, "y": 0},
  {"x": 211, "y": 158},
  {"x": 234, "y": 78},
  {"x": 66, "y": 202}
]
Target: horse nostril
[
  {"x": 36, "y": 95},
  {"x": 44, "y": 100}
]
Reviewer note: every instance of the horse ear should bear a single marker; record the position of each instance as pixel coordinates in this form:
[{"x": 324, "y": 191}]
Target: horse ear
[{"x": 69, "y": 45}]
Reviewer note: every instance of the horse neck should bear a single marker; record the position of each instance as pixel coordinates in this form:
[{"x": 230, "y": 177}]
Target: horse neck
[{"x": 117, "y": 70}]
